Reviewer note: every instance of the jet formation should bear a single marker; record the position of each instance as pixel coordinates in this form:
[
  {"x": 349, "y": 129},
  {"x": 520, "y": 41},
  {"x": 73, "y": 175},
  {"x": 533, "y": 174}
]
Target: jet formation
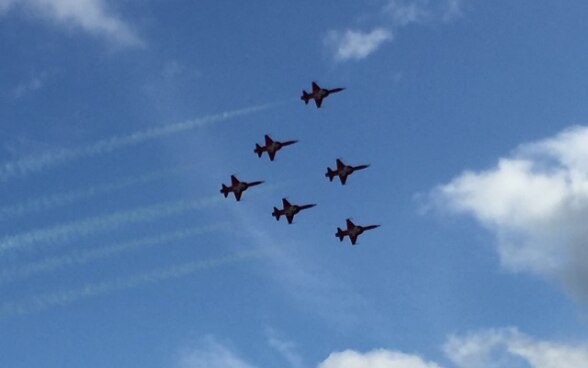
[{"x": 289, "y": 210}]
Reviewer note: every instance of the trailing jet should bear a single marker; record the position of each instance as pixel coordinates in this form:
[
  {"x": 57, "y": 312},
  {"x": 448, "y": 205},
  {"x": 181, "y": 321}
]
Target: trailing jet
[
  {"x": 343, "y": 171},
  {"x": 271, "y": 147},
  {"x": 237, "y": 187},
  {"x": 289, "y": 210},
  {"x": 318, "y": 94},
  {"x": 353, "y": 231}
]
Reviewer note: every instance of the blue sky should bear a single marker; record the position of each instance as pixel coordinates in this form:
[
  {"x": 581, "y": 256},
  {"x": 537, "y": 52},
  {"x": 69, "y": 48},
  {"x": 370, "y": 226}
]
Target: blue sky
[{"x": 120, "y": 121}]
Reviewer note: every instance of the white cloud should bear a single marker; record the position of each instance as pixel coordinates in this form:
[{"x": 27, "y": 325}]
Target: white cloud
[
  {"x": 536, "y": 203},
  {"x": 404, "y": 12},
  {"x": 508, "y": 348},
  {"x": 356, "y": 45},
  {"x": 375, "y": 359},
  {"x": 286, "y": 348},
  {"x": 32, "y": 84},
  {"x": 92, "y": 16},
  {"x": 211, "y": 354}
]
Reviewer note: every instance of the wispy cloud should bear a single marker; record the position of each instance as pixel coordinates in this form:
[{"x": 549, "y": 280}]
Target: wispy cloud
[
  {"x": 42, "y": 302},
  {"x": 49, "y": 202},
  {"x": 355, "y": 44},
  {"x": 210, "y": 353},
  {"x": 28, "y": 165},
  {"x": 32, "y": 84},
  {"x": 79, "y": 257},
  {"x": 536, "y": 203},
  {"x": 285, "y": 348},
  {"x": 93, "y": 16},
  {"x": 68, "y": 232}
]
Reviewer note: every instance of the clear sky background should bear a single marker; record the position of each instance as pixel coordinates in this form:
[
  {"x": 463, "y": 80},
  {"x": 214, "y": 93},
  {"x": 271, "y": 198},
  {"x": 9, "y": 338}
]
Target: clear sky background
[{"x": 120, "y": 120}]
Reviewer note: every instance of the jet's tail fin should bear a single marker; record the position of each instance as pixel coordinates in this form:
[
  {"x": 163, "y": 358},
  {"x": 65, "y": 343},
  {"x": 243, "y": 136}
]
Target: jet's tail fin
[
  {"x": 276, "y": 214},
  {"x": 330, "y": 174},
  {"x": 258, "y": 150},
  {"x": 305, "y": 97},
  {"x": 225, "y": 190},
  {"x": 340, "y": 234}
]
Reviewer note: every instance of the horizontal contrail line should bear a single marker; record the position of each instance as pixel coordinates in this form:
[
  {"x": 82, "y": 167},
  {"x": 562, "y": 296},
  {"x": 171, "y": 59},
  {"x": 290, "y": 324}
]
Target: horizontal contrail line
[
  {"x": 27, "y": 165},
  {"x": 79, "y": 257},
  {"x": 62, "y": 298},
  {"x": 74, "y": 230},
  {"x": 48, "y": 202}
]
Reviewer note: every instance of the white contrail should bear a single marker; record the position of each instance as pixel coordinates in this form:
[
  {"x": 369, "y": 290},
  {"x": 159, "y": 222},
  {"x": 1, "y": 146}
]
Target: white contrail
[
  {"x": 79, "y": 257},
  {"x": 32, "y": 164},
  {"x": 61, "y": 298},
  {"x": 35, "y": 205},
  {"x": 74, "y": 230}
]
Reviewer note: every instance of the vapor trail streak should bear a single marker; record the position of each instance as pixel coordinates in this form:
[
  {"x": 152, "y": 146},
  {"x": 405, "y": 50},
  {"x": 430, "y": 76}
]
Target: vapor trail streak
[
  {"x": 61, "y": 298},
  {"x": 49, "y": 159},
  {"x": 74, "y": 230},
  {"x": 49, "y": 202},
  {"x": 79, "y": 257}
]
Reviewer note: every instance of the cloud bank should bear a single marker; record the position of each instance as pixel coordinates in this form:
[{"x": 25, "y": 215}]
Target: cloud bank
[
  {"x": 535, "y": 201},
  {"x": 494, "y": 348},
  {"x": 507, "y": 348},
  {"x": 380, "y": 358}
]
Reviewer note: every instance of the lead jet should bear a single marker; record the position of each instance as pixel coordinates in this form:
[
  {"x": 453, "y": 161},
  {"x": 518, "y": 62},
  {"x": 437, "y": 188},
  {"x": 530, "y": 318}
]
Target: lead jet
[
  {"x": 237, "y": 187},
  {"x": 289, "y": 210},
  {"x": 343, "y": 171},
  {"x": 318, "y": 94},
  {"x": 353, "y": 231},
  {"x": 271, "y": 147}
]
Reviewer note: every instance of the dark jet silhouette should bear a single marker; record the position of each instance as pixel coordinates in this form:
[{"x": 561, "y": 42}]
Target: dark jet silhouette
[
  {"x": 343, "y": 171},
  {"x": 289, "y": 210},
  {"x": 271, "y": 147},
  {"x": 353, "y": 231},
  {"x": 318, "y": 94},
  {"x": 237, "y": 187}
]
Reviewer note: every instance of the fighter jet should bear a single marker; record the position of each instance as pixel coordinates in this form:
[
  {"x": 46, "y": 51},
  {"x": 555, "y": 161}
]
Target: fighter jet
[
  {"x": 289, "y": 210},
  {"x": 237, "y": 187},
  {"x": 318, "y": 94},
  {"x": 271, "y": 147},
  {"x": 343, "y": 171},
  {"x": 353, "y": 231}
]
